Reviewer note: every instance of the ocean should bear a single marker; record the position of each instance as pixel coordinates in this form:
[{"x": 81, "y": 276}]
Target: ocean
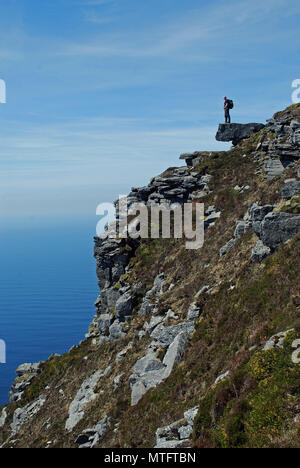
[{"x": 48, "y": 286}]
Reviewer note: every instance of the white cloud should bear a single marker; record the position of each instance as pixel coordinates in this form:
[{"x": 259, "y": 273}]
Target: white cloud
[{"x": 200, "y": 27}]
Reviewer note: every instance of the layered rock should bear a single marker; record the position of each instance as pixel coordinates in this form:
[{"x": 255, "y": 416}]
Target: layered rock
[
  {"x": 90, "y": 437},
  {"x": 23, "y": 415},
  {"x": 272, "y": 228},
  {"x": 150, "y": 371},
  {"x": 237, "y": 132},
  {"x": 115, "y": 303},
  {"x": 283, "y": 150},
  {"x": 175, "y": 186},
  {"x": 26, "y": 374},
  {"x": 85, "y": 395},
  {"x": 177, "y": 434}
]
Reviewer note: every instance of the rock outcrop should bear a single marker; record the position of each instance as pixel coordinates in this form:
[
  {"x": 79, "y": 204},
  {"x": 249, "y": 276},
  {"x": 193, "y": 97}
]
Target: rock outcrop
[
  {"x": 272, "y": 229},
  {"x": 237, "y": 132},
  {"x": 26, "y": 374},
  {"x": 115, "y": 302},
  {"x": 3, "y": 417},
  {"x": 176, "y": 328},
  {"x": 283, "y": 150},
  {"x": 23, "y": 415},
  {"x": 89, "y": 438},
  {"x": 85, "y": 395},
  {"x": 150, "y": 371},
  {"x": 177, "y": 434}
]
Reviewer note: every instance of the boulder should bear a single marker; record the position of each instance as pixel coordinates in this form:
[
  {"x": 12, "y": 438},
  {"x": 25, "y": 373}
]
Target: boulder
[
  {"x": 90, "y": 437},
  {"x": 84, "y": 396},
  {"x": 164, "y": 336},
  {"x": 124, "y": 306},
  {"x": 277, "y": 228},
  {"x": 175, "y": 352},
  {"x": 23, "y": 415}
]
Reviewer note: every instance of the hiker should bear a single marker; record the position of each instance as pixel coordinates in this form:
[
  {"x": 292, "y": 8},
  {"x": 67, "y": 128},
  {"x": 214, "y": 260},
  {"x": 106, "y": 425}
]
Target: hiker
[{"x": 228, "y": 104}]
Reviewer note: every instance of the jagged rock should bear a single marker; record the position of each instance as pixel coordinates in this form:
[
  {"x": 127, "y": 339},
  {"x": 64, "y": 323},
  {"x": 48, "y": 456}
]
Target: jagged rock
[
  {"x": 241, "y": 228},
  {"x": 259, "y": 252},
  {"x": 273, "y": 167},
  {"x": 148, "y": 363},
  {"x": 291, "y": 189},
  {"x": 193, "y": 312},
  {"x": 228, "y": 246},
  {"x": 124, "y": 306},
  {"x": 211, "y": 219},
  {"x": 257, "y": 214},
  {"x": 221, "y": 377},
  {"x": 283, "y": 150},
  {"x": 104, "y": 322},
  {"x": 175, "y": 352},
  {"x": 90, "y": 437},
  {"x": 277, "y": 228},
  {"x": 28, "y": 368},
  {"x": 277, "y": 340},
  {"x": 26, "y": 374},
  {"x": 154, "y": 322},
  {"x": 107, "y": 300},
  {"x": 3, "y": 417},
  {"x": 116, "y": 331},
  {"x": 192, "y": 159},
  {"x": 164, "y": 336},
  {"x": 149, "y": 371},
  {"x": 84, "y": 396},
  {"x": 23, "y": 415},
  {"x": 120, "y": 356},
  {"x": 177, "y": 434},
  {"x": 237, "y": 132},
  {"x": 152, "y": 296},
  {"x": 117, "y": 381}
]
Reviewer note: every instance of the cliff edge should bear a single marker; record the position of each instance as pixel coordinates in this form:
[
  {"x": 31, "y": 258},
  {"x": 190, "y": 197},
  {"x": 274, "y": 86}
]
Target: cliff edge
[{"x": 188, "y": 348}]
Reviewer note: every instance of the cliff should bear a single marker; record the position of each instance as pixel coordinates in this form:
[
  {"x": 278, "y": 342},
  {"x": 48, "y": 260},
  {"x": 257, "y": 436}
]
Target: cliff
[{"x": 188, "y": 348}]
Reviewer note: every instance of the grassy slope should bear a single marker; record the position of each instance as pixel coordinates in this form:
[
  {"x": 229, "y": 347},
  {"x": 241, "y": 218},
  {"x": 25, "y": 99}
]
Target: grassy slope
[{"x": 257, "y": 405}]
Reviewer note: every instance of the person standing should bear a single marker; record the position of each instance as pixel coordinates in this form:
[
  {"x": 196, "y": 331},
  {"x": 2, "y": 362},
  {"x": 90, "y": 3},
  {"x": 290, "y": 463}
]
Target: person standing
[{"x": 227, "y": 108}]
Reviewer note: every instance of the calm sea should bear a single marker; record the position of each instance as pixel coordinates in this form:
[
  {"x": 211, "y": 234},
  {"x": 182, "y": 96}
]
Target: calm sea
[{"x": 48, "y": 286}]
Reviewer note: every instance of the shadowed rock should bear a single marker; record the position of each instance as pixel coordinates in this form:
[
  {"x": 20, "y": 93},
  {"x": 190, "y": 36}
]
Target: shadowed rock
[{"x": 237, "y": 132}]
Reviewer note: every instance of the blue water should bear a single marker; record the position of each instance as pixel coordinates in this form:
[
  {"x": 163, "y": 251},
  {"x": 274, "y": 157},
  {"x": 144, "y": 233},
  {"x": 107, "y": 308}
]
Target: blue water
[{"x": 48, "y": 286}]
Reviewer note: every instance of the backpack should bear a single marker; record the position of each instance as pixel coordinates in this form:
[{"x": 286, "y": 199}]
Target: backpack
[{"x": 230, "y": 104}]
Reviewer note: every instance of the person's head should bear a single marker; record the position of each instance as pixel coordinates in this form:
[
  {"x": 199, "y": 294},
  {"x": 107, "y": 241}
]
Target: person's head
[{"x": 225, "y": 98}]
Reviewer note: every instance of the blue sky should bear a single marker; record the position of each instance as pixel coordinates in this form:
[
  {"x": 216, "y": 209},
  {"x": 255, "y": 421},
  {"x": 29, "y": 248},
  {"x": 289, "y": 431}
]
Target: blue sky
[{"x": 104, "y": 94}]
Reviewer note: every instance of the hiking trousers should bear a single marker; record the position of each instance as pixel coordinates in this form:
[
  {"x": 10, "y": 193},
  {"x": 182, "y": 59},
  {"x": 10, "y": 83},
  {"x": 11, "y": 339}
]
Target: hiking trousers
[{"x": 227, "y": 116}]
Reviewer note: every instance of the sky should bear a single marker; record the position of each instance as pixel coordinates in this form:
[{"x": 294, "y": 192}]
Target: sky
[{"x": 104, "y": 94}]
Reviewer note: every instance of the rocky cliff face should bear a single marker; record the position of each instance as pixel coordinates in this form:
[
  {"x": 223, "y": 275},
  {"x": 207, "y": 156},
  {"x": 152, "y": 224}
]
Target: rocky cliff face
[{"x": 179, "y": 352}]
